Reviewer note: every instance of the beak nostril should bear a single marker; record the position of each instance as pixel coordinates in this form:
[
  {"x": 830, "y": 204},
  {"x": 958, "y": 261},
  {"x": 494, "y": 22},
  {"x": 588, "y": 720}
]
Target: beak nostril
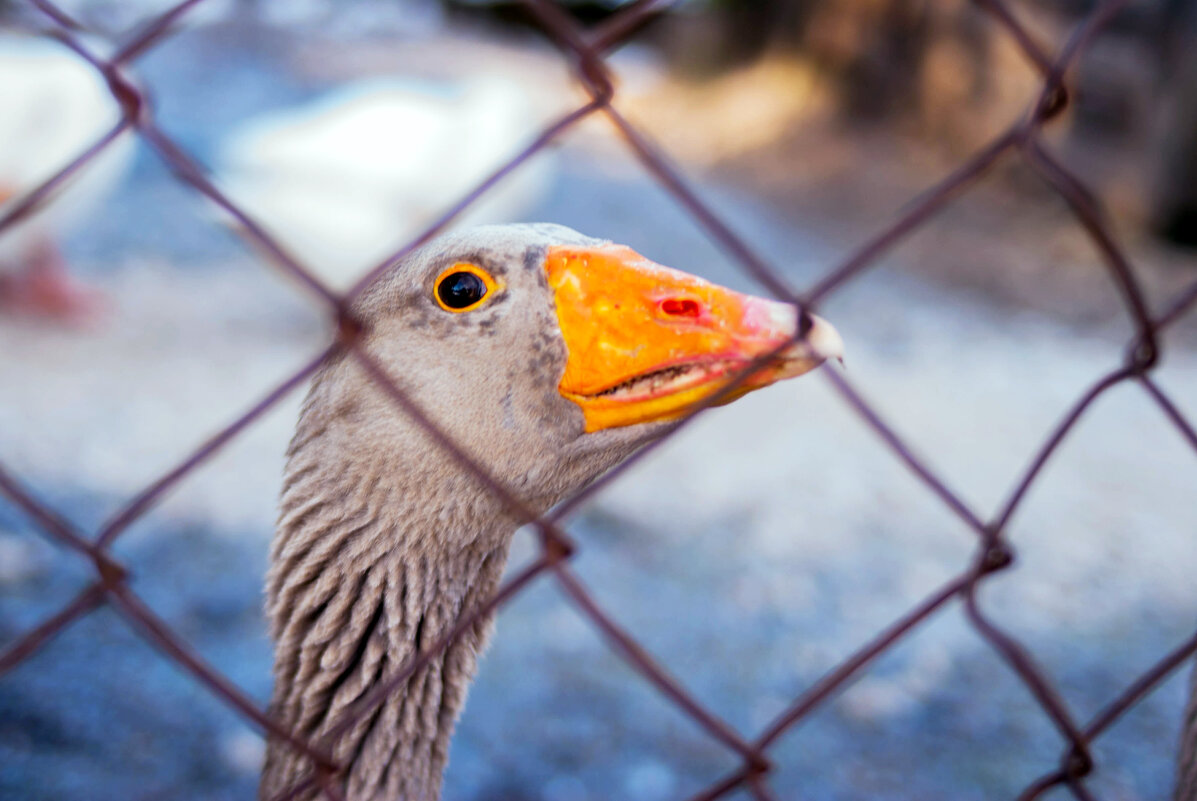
[{"x": 681, "y": 307}]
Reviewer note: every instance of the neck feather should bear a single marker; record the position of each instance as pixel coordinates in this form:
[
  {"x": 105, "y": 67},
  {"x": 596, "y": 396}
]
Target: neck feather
[{"x": 366, "y": 572}]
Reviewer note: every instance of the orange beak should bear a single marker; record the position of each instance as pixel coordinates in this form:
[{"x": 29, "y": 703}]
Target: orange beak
[{"x": 646, "y": 343}]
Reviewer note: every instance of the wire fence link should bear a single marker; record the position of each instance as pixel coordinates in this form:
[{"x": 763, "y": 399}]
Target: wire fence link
[{"x": 586, "y": 50}]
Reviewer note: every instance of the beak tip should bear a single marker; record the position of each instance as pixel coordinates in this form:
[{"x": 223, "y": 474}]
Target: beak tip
[{"x": 825, "y": 341}]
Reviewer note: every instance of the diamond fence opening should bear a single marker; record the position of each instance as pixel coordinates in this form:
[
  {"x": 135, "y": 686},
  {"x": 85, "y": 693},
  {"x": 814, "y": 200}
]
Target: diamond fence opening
[{"x": 586, "y": 49}]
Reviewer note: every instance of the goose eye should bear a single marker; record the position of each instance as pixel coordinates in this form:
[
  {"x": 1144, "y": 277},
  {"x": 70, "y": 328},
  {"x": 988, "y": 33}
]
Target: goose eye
[{"x": 462, "y": 287}]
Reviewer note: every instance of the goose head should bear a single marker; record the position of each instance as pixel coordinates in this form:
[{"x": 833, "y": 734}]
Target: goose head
[{"x": 549, "y": 357}]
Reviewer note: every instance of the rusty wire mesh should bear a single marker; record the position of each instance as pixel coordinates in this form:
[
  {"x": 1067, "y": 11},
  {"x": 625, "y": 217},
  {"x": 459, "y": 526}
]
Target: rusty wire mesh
[{"x": 586, "y": 50}]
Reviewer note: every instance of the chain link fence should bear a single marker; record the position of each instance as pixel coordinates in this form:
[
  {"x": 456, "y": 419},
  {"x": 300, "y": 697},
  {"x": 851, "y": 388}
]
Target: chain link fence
[{"x": 586, "y": 50}]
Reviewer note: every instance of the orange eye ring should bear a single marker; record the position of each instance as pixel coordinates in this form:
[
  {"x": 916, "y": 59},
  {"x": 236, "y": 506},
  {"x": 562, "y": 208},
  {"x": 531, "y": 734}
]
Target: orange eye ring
[{"x": 463, "y": 287}]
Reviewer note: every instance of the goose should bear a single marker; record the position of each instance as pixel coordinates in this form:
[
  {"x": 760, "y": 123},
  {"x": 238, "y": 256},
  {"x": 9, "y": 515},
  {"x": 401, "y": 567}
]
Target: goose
[
  {"x": 55, "y": 106},
  {"x": 549, "y": 356},
  {"x": 344, "y": 179}
]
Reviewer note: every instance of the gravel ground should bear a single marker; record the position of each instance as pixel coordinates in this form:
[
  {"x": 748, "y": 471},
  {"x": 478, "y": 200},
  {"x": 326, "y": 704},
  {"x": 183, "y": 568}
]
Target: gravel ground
[{"x": 750, "y": 554}]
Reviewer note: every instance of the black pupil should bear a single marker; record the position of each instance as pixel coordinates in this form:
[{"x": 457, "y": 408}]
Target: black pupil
[{"x": 460, "y": 290}]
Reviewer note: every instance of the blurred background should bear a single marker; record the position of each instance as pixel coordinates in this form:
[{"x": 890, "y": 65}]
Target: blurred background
[{"x": 750, "y": 554}]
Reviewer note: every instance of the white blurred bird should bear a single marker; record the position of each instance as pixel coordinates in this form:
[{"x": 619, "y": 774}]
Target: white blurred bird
[
  {"x": 346, "y": 180},
  {"x": 53, "y": 106}
]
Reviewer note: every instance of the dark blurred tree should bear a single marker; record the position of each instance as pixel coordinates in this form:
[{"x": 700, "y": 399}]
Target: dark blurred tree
[
  {"x": 750, "y": 28},
  {"x": 949, "y": 68},
  {"x": 1175, "y": 201},
  {"x": 516, "y": 12},
  {"x": 876, "y": 51}
]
